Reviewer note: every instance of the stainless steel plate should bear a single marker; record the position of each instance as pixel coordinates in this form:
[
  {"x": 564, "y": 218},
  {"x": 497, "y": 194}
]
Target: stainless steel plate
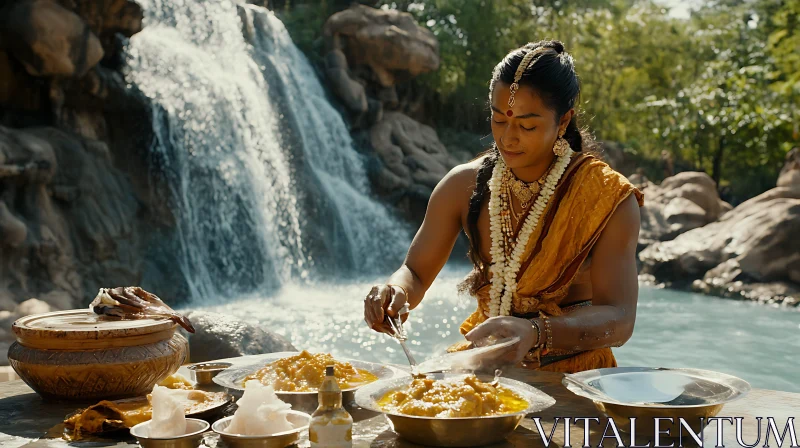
[
  {"x": 302, "y": 401},
  {"x": 650, "y": 393},
  {"x": 233, "y": 377},
  {"x": 660, "y": 387}
]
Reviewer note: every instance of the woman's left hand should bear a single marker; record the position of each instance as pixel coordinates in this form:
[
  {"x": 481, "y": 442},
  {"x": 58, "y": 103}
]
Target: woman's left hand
[{"x": 506, "y": 327}]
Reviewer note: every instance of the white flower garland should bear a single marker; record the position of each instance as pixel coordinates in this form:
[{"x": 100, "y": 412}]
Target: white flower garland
[{"x": 504, "y": 272}]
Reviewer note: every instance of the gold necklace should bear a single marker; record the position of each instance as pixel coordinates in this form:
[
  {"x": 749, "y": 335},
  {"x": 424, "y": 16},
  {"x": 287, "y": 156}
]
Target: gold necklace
[{"x": 525, "y": 192}]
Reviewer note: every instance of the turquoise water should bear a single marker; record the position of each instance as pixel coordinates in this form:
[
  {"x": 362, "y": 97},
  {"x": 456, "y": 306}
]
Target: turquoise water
[{"x": 673, "y": 329}]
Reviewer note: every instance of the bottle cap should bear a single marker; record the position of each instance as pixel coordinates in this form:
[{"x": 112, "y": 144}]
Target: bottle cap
[{"x": 329, "y": 371}]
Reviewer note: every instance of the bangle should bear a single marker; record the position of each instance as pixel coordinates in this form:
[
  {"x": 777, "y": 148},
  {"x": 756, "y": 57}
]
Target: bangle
[
  {"x": 548, "y": 332},
  {"x": 405, "y": 291},
  {"x": 538, "y": 334}
]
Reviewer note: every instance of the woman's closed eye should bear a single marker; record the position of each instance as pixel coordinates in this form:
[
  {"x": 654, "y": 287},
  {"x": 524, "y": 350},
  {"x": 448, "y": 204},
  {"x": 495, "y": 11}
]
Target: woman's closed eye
[{"x": 528, "y": 129}]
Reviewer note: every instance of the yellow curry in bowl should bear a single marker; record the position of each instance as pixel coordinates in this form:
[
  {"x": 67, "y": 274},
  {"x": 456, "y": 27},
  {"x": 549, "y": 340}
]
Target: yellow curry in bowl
[
  {"x": 305, "y": 371},
  {"x": 467, "y": 397}
]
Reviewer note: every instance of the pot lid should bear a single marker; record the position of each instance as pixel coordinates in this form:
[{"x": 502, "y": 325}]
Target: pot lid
[{"x": 85, "y": 324}]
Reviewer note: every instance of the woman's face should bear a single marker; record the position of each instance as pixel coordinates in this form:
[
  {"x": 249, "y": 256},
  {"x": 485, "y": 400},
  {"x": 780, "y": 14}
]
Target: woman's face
[{"x": 526, "y": 135}]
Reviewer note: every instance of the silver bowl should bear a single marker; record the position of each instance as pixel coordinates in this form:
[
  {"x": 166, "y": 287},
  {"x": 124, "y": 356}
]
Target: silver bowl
[
  {"x": 233, "y": 377},
  {"x": 457, "y": 431},
  {"x": 203, "y": 373},
  {"x": 193, "y": 437},
  {"x": 650, "y": 392},
  {"x": 299, "y": 421}
]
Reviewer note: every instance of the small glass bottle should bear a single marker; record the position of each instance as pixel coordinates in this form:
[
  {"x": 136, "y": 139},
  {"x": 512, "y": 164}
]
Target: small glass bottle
[{"x": 331, "y": 425}]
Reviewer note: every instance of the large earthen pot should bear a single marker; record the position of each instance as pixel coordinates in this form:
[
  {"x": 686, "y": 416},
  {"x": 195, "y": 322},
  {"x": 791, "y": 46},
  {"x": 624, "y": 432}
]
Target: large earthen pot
[{"x": 80, "y": 356}]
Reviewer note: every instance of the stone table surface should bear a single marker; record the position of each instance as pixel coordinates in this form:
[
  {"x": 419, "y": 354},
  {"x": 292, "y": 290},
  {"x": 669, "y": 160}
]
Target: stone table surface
[{"x": 28, "y": 421}]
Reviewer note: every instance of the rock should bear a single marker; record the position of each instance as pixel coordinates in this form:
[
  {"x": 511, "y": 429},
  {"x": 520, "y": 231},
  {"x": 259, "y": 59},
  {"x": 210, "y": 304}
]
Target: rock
[
  {"x": 59, "y": 300},
  {"x": 7, "y": 302},
  {"x": 790, "y": 174},
  {"x": 112, "y": 21},
  {"x": 221, "y": 336},
  {"x": 73, "y": 215},
  {"x": 754, "y": 244},
  {"x": 4, "y": 346},
  {"x": 13, "y": 232},
  {"x": 48, "y": 39},
  {"x": 351, "y": 92},
  {"x": 20, "y": 92},
  {"x": 32, "y": 306},
  {"x": 411, "y": 152},
  {"x": 389, "y": 42},
  {"x": 7, "y": 318},
  {"x": 108, "y": 17},
  {"x": 682, "y": 202},
  {"x": 728, "y": 280}
]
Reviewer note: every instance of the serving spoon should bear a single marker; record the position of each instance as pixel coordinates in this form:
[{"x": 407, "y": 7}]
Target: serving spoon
[{"x": 396, "y": 323}]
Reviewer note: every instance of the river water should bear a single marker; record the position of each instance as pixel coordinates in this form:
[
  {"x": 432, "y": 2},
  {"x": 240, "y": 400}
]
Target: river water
[{"x": 673, "y": 329}]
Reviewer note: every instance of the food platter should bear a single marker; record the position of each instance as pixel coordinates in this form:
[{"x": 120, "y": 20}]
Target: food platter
[
  {"x": 233, "y": 377},
  {"x": 456, "y": 431}
]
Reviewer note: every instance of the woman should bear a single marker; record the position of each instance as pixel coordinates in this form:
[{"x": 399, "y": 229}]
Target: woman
[{"x": 553, "y": 230}]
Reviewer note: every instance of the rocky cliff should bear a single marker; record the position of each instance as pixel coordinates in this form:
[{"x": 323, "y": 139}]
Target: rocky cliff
[{"x": 79, "y": 208}]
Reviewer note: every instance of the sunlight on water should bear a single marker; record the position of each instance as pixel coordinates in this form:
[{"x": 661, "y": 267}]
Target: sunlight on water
[{"x": 673, "y": 329}]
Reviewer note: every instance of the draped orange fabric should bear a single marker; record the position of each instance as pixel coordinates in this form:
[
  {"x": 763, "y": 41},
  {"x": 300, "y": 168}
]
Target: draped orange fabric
[{"x": 587, "y": 195}]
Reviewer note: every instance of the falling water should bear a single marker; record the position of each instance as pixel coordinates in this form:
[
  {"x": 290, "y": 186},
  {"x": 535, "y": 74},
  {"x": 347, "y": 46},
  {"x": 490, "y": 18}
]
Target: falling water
[{"x": 266, "y": 184}]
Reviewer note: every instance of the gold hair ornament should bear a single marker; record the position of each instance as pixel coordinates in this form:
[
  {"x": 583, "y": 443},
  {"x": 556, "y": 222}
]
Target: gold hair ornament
[{"x": 527, "y": 61}]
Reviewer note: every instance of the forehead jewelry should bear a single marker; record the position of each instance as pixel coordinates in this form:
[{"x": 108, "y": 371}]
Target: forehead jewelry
[{"x": 524, "y": 65}]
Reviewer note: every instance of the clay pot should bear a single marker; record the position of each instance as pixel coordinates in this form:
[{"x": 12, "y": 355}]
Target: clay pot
[{"x": 78, "y": 355}]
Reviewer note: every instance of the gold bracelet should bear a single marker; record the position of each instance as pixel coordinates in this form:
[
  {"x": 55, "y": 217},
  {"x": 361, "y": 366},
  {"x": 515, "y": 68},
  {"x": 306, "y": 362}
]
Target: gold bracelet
[
  {"x": 405, "y": 291},
  {"x": 538, "y": 334},
  {"x": 548, "y": 332}
]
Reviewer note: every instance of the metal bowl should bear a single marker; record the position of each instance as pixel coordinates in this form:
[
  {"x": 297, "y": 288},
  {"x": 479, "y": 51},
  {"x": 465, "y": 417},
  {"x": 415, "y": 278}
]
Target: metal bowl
[
  {"x": 650, "y": 392},
  {"x": 302, "y": 401},
  {"x": 204, "y": 372},
  {"x": 193, "y": 437},
  {"x": 299, "y": 421},
  {"x": 457, "y": 431}
]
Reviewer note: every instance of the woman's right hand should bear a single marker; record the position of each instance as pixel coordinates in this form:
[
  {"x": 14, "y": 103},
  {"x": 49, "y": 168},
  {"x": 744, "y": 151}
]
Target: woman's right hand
[{"x": 383, "y": 300}]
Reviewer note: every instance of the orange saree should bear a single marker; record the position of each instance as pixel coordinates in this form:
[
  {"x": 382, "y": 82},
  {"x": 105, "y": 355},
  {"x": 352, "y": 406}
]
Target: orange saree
[{"x": 588, "y": 194}]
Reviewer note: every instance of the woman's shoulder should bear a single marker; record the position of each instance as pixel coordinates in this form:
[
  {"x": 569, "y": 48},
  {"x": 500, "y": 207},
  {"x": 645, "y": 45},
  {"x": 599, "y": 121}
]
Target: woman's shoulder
[
  {"x": 461, "y": 178},
  {"x": 600, "y": 178}
]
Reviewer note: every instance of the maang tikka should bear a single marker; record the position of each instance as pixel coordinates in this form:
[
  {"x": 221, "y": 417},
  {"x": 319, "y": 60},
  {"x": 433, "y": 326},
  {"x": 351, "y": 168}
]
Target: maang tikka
[{"x": 561, "y": 146}]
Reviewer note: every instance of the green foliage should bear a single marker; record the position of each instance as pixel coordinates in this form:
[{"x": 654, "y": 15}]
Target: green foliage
[{"x": 719, "y": 91}]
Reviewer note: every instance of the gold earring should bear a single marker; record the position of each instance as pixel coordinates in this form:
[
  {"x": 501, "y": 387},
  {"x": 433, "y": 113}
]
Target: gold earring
[{"x": 561, "y": 146}]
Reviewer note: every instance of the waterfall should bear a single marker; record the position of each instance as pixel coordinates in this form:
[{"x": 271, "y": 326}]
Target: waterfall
[{"x": 266, "y": 185}]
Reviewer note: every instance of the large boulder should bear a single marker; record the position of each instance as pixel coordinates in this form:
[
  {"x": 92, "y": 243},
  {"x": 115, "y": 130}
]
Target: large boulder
[
  {"x": 7, "y": 318},
  {"x": 351, "y": 92},
  {"x": 682, "y": 202},
  {"x": 108, "y": 17},
  {"x": 67, "y": 216},
  {"x": 411, "y": 153},
  {"x": 220, "y": 336},
  {"x": 48, "y": 39},
  {"x": 756, "y": 243},
  {"x": 388, "y": 41}
]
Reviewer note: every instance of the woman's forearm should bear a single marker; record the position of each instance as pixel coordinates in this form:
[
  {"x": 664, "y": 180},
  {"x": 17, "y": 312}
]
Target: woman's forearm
[
  {"x": 589, "y": 328},
  {"x": 412, "y": 284}
]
